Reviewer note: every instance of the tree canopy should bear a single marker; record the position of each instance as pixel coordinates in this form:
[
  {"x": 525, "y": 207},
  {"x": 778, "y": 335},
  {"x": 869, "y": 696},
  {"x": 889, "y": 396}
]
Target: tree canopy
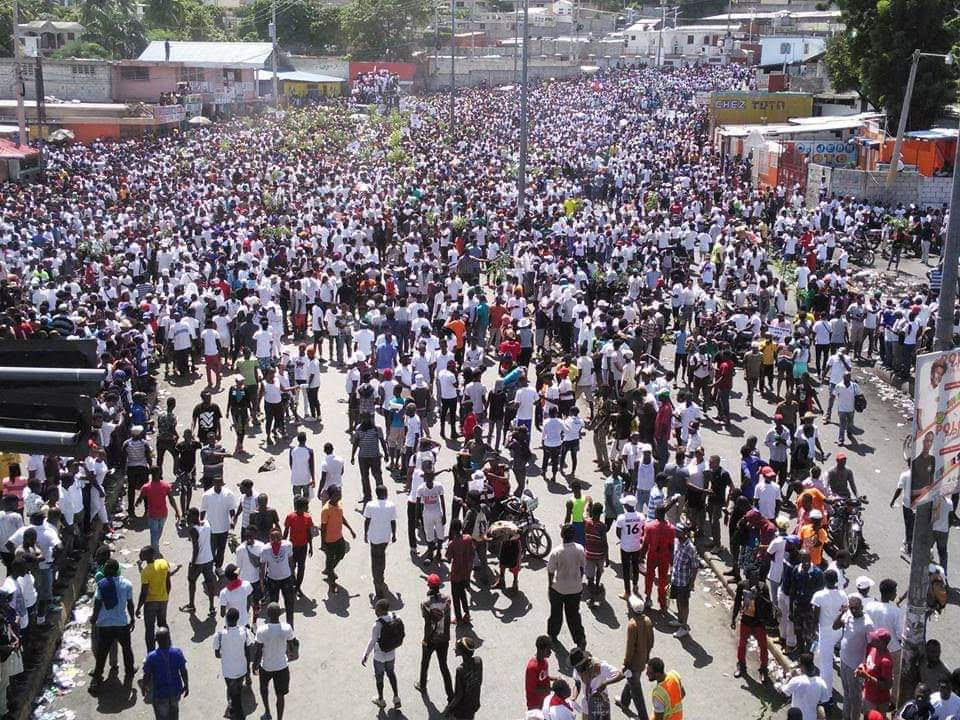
[{"x": 872, "y": 56}]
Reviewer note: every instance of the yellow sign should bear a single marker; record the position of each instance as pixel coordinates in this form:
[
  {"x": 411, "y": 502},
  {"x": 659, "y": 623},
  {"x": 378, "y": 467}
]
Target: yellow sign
[{"x": 742, "y": 108}]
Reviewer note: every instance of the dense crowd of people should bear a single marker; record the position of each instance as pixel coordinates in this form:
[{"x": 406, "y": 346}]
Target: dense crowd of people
[{"x": 260, "y": 255}]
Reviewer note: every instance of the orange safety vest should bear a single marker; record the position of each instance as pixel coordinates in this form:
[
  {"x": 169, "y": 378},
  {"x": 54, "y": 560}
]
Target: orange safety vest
[{"x": 669, "y": 693}]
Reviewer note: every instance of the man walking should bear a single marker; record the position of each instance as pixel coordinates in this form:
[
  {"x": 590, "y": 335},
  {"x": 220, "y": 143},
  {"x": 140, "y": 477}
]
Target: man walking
[
  {"x": 640, "y": 640},
  {"x": 165, "y": 669},
  {"x": 379, "y": 530},
  {"x": 435, "y": 610},
  {"x": 270, "y": 660},
  {"x": 113, "y": 617},
  {"x": 565, "y": 568},
  {"x": 668, "y": 693},
  {"x": 232, "y": 646},
  {"x": 657, "y": 549},
  {"x": 856, "y": 627},
  {"x": 753, "y": 606},
  {"x": 385, "y": 637},
  {"x": 465, "y": 702},
  {"x": 155, "y": 574},
  {"x": 685, "y": 569}
]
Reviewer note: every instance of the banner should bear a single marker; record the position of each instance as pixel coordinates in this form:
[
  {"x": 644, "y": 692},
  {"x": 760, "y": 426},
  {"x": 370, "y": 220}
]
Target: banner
[
  {"x": 936, "y": 438},
  {"x": 832, "y": 153}
]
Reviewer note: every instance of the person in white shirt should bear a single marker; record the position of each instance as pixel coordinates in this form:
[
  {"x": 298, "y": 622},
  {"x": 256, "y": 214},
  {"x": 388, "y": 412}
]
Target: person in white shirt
[
  {"x": 219, "y": 508},
  {"x": 886, "y": 613},
  {"x": 572, "y": 432},
  {"x": 767, "y": 493},
  {"x": 448, "y": 392},
  {"x": 552, "y": 443},
  {"x": 331, "y": 472},
  {"x": 846, "y": 393},
  {"x": 236, "y": 594},
  {"x": 383, "y": 657},
  {"x": 379, "y": 529},
  {"x": 231, "y": 646},
  {"x": 837, "y": 366},
  {"x": 807, "y": 691},
  {"x": 828, "y": 604},
  {"x": 210, "y": 341},
  {"x": 526, "y": 398},
  {"x": 945, "y": 702},
  {"x": 303, "y": 476},
  {"x": 270, "y": 659}
]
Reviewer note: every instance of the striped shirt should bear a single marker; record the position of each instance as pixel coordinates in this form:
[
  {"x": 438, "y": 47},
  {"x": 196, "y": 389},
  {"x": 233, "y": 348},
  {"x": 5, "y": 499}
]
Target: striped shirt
[
  {"x": 136, "y": 451},
  {"x": 368, "y": 442}
]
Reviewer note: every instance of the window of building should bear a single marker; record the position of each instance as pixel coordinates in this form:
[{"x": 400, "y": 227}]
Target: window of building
[
  {"x": 232, "y": 75},
  {"x": 784, "y": 48},
  {"x": 191, "y": 74},
  {"x": 82, "y": 69},
  {"x": 135, "y": 73},
  {"x": 689, "y": 39}
]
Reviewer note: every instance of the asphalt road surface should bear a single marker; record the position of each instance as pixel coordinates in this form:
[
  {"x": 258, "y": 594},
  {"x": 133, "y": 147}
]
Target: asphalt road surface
[{"x": 327, "y": 680}]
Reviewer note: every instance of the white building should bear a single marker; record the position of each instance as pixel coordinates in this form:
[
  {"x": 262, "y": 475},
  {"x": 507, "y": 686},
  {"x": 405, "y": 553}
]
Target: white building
[
  {"x": 789, "y": 49},
  {"x": 681, "y": 45}
]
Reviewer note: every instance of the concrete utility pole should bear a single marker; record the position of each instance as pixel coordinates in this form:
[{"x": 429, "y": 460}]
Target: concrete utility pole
[
  {"x": 905, "y": 111},
  {"x": 41, "y": 97},
  {"x": 18, "y": 79},
  {"x": 663, "y": 20},
  {"x": 453, "y": 61},
  {"x": 902, "y": 126},
  {"x": 273, "y": 55},
  {"x": 522, "y": 164},
  {"x": 516, "y": 35},
  {"x": 915, "y": 626}
]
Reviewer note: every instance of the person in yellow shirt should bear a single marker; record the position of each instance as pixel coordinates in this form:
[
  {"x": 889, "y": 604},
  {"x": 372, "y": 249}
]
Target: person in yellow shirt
[
  {"x": 668, "y": 693},
  {"x": 155, "y": 574},
  {"x": 768, "y": 354}
]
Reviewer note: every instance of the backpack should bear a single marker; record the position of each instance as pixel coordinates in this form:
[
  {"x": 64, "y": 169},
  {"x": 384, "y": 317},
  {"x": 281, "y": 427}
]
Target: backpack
[
  {"x": 392, "y": 633},
  {"x": 107, "y": 588},
  {"x": 859, "y": 402}
]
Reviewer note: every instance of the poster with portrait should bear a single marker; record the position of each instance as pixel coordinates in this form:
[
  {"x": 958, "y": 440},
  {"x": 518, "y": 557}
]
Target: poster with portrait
[{"x": 935, "y": 469}]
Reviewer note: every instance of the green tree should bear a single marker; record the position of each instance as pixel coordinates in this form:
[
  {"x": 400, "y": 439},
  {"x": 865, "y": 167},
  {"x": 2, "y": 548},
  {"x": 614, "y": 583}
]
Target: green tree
[
  {"x": 872, "y": 56},
  {"x": 301, "y": 24},
  {"x": 162, "y": 14},
  {"x": 80, "y": 49},
  {"x": 384, "y": 28},
  {"x": 114, "y": 25}
]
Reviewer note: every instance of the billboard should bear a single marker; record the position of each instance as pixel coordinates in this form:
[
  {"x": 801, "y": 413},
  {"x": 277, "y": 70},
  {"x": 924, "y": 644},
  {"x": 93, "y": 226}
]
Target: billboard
[
  {"x": 744, "y": 108},
  {"x": 832, "y": 153},
  {"x": 936, "y": 429}
]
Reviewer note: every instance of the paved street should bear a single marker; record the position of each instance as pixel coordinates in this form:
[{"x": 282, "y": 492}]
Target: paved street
[{"x": 334, "y": 629}]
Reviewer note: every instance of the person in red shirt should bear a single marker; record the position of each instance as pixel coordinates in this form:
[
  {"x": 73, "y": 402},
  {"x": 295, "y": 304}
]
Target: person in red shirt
[
  {"x": 723, "y": 384},
  {"x": 298, "y": 528},
  {"x": 155, "y": 495},
  {"x": 537, "y": 676},
  {"x": 469, "y": 419},
  {"x": 460, "y": 556},
  {"x": 876, "y": 672},
  {"x": 657, "y": 548}
]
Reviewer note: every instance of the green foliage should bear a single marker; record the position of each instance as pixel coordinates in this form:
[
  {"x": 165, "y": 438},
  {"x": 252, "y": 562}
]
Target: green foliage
[
  {"x": 872, "y": 56},
  {"x": 397, "y": 156},
  {"x": 375, "y": 29},
  {"x": 300, "y": 23},
  {"x": 114, "y": 25},
  {"x": 79, "y": 49}
]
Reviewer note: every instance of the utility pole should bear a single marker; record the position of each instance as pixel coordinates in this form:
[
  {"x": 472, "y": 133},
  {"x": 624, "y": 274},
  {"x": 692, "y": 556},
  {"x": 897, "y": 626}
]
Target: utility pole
[
  {"x": 18, "y": 79},
  {"x": 41, "y": 99},
  {"x": 516, "y": 35},
  {"x": 453, "y": 62},
  {"x": 522, "y": 164},
  {"x": 902, "y": 125},
  {"x": 915, "y": 625},
  {"x": 663, "y": 20},
  {"x": 273, "y": 55}
]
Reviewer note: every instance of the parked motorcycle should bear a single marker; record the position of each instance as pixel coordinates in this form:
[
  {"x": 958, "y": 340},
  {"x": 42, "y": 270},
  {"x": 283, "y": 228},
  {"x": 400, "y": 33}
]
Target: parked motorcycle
[
  {"x": 519, "y": 511},
  {"x": 846, "y": 524}
]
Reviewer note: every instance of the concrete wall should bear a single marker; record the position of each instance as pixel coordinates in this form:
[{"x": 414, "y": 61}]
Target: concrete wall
[
  {"x": 497, "y": 71},
  {"x": 85, "y": 80},
  {"x": 908, "y": 187}
]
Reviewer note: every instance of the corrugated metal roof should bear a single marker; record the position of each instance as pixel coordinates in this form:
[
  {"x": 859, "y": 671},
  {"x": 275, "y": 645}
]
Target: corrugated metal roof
[
  {"x": 209, "y": 54},
  {"x": 934, "y": 134},
  {"x": 299, "y": 76}
]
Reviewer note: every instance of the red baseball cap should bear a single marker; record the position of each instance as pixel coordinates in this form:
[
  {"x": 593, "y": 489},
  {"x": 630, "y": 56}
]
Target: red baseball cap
[{"x": 433, "y": 580}]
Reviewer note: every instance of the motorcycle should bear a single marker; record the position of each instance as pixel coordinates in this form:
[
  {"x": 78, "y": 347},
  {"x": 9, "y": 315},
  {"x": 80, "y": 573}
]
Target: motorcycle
[
  {"x": 519, "y": 511},
  {"x": 846, "y": 524}
]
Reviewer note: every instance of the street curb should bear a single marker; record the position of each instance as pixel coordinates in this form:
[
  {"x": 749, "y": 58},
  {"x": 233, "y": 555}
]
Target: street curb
[
  {"x": 32, "y": 688},
  {"x": 786, "y": 663}
]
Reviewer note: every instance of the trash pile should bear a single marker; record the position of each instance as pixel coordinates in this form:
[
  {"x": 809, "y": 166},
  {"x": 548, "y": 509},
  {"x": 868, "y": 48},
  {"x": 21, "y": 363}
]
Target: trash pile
[{"x": 66, "y": 674}]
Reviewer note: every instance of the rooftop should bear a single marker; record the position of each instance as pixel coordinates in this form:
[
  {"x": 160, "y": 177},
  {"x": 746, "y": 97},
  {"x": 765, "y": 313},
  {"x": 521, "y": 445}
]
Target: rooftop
[
  {"x": 56, "y": 25},
  {"x": 209, "y": 54},
  {"x": 800, "y": 15}
]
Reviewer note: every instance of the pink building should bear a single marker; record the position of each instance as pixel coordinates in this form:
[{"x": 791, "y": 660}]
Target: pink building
[{"x": 210, "y": 77}]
